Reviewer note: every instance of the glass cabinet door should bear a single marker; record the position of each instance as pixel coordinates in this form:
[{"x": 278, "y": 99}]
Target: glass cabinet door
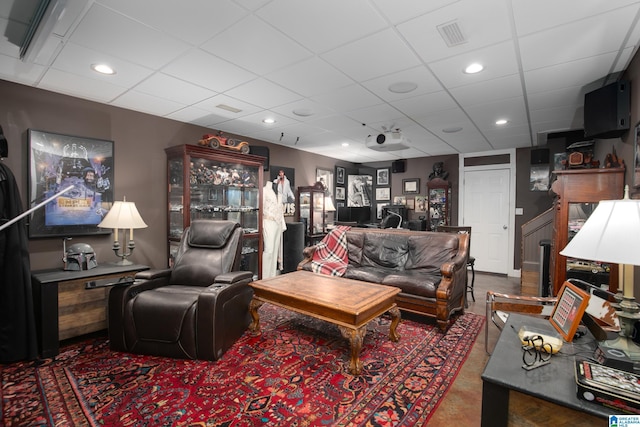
[
  {"x": 311, "y": 212},
  {"x": 219, "y": 185},
  {"x": 439, "y": 201}
]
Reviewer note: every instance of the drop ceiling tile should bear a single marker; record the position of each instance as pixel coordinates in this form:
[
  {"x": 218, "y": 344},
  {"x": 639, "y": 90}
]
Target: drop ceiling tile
[
  {"x": 263, "y": 93},
  {"x": 192, "y": 114},
  {"x": 256, "y": 46},
  {"x": 488, "y": 90},
  {"x": 499, "y": 61},
  {"x": 17, "y": 71},
  {"x": 76, "y": 59},
  {"x": 373, "y": 56},
  {"x": 74, "y": 85},
  {"x": 482, "y": 23},
  {"x": 203, "y": 69},
  {"x": 211, "y": 104},
  {"x": 420, "y": 75},
  {"x": 485, "y": 115},
  {"x": 377, "y": 113},
  {"x": 399, "y": 11},
  {"x": 132, "y": 41},
  {"x": 560, "y": 97},
  {"x": 194, "y": 21},
  {"x": 572, "y": 116},
  {"x": 347, "y": 98},
  {"x": 590, "y": 37},
  {"x": 168, "y": 87},
  {"x": 324, "y": 25},
  {"x": 303, "y": 106},
  {"x": 534, "y": 16},
  {"x": 337, "y": 123},
  {"x": 149, "y": 104},
  {"x": 311, "y": 77},
  {"x": 425, "y": 104}
]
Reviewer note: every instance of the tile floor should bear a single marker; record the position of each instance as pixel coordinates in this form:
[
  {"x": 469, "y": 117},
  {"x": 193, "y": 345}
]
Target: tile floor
[{"x": 462, "y": 406}]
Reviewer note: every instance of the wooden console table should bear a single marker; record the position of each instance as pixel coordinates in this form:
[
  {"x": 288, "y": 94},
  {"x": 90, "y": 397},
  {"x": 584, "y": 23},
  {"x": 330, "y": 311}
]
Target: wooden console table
[{"x": 68, "y": 303}]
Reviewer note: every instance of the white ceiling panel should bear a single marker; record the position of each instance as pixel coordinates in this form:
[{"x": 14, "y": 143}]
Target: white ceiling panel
[{"x": 334, "y": 62}]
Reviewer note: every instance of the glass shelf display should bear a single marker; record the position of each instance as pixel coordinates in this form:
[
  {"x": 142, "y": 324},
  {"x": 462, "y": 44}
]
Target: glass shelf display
[
  {"x": 439, "y": 200},
  {"x": 216, "y": 184},
  {"x": 311, "y": 212}
]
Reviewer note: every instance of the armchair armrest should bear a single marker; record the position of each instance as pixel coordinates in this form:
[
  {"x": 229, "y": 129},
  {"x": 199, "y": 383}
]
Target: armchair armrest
[
  {"x": 153, "y": 274},
  {"x": 233, "y": 277},
  {"x": 307, "y": 254}
]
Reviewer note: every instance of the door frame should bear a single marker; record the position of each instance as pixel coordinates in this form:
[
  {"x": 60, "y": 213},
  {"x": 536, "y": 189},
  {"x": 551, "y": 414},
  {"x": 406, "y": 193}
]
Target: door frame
[{"x": 511, "y": 166}]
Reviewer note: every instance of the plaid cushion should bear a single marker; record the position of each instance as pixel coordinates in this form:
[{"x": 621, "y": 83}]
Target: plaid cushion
[{"x": 330, "y": 256}]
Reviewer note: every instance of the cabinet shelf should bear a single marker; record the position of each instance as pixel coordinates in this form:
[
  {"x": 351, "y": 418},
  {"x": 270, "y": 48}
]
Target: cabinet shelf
[{"x": 439, "y": 201}]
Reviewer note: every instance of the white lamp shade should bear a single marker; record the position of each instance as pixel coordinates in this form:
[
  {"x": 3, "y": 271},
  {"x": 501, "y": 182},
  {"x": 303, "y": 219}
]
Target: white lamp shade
[
  {"x": 328, "y": 205},
  {"x": 611, "y": 234},
  {"x": 123, "y": 215}
]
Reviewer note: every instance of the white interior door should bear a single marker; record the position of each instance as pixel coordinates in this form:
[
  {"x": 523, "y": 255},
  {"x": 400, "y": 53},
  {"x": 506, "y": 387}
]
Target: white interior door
[{"x": 486, "y": 211}]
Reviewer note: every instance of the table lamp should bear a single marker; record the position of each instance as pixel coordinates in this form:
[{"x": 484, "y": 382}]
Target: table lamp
[
  {"x": 123, "y": 215},
  {"x": 612, "y": 235}
]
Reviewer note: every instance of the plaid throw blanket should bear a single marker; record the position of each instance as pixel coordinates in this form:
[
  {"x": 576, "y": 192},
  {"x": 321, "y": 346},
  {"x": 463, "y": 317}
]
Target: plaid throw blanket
[{"x": 331, "y": 257}]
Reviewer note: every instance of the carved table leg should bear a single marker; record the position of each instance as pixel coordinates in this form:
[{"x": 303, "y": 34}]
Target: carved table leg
[
  {"x": 254, "y": 305},
  {"x": 355, "y": 337},
  {"x": 395, "y": 320}
]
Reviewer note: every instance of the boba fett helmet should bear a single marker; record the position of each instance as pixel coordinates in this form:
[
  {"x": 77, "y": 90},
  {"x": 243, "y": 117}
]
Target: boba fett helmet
[{"x": 80, "y": 256}]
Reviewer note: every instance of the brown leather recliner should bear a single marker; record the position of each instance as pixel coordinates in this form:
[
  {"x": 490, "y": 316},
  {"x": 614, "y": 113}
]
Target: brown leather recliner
[{"x": 195, "y": 310}]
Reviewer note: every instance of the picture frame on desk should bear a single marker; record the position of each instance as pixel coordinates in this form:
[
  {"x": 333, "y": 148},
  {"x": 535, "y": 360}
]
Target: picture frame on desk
[
  {"x": 82, "y": 168},
  {"x": 568, "y": 310}
]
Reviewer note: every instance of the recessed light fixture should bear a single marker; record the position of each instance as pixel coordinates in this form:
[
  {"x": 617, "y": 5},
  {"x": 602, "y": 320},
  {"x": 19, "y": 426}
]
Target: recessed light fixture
[
  {"x": 452, "y": 129},
  {"x": 345, "y": 144},
  {"x": 103, "y": 69},
  {"x": 501, "y": 122},
  {"x": 303, "y": 112},
  {"x": 403, "y": 87},
  {"x": 269, "y": 121},
  {"x": 474, "y": 68}
]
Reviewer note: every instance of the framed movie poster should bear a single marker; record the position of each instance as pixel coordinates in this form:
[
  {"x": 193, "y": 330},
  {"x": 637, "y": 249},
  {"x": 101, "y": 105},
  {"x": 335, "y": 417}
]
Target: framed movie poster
[{"x": 79, "y": 171}]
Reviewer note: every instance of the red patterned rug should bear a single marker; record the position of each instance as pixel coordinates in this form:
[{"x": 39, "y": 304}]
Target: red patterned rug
[{"x": 294, "y": 373}]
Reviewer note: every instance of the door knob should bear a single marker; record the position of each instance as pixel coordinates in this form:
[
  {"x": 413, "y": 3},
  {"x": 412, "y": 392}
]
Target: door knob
[{"x": 504, "y": 227}]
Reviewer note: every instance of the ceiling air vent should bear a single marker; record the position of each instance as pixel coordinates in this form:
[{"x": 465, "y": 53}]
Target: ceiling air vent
[{"x": 452, "y": 33}]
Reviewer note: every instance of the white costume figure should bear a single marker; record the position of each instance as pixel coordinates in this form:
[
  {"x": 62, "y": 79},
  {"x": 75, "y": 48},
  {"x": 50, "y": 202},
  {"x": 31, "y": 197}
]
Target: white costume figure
[
  {"x": 273, "y": 225},
  {"x": 285, "y": 194}
]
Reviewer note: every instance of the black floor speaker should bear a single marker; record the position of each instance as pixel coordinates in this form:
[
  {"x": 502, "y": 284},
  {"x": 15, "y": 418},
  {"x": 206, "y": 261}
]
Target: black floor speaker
[{"x": 293, "y": 246}]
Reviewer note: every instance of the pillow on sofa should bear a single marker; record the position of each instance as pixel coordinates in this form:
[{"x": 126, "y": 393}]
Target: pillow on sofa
[
  {"x": 385, "y": 250},
  {"x": 429, "y": 252}
]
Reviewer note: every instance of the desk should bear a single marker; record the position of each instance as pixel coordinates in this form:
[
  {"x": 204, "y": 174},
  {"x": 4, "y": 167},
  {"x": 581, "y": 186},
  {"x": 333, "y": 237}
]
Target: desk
[
  {"x": 554, "y": 382},
  {"x": 64, "y": 308}
]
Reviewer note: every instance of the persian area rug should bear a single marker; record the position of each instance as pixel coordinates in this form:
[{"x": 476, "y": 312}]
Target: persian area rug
[{"x": 293, "y": 373}]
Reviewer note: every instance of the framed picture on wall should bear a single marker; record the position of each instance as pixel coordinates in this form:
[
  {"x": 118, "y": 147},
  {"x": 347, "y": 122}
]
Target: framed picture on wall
[
  {"x": 411, "y": 186},
  {"x": 80, "y": 167},
  {"x": 359, "y": 190},
  {"x": 325, "y": 176},
  {"x": 340, "y": 193},
  {"x": 379, "y": 208},
  {"x": 382, "y": 176},
  {"x": 340, "y": 172},
  {"x": 383, "y": 193}
]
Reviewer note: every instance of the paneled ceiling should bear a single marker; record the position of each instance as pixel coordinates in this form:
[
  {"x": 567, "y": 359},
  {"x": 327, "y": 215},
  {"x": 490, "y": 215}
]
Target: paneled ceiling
[{"x": 323, "y": 70}]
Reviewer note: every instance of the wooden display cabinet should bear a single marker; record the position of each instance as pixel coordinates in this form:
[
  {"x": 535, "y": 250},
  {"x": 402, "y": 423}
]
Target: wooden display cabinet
[
  {"x": 578, "y": 191},
  {"x": 439, "y": 201},
  {"x": 209, "y": 183},
  {"x": 311, "y": 212}
]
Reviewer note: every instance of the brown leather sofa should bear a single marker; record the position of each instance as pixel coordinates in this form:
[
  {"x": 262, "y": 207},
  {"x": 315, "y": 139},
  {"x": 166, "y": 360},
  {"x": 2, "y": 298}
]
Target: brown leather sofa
[
  {"x": 197, "y": 309},
  {"x": 430, "y": 268}
]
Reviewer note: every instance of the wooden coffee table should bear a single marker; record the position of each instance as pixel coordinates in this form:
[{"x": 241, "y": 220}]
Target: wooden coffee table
[{"x": 349, "y": 304}]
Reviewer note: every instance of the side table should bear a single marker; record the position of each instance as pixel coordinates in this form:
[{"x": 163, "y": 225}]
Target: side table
[{"x": 72, "y": 303}]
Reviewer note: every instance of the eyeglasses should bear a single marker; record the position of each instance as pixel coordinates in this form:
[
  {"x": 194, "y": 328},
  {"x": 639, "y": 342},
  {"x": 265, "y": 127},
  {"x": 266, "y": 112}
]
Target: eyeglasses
[{"x": 536, "y": 352}]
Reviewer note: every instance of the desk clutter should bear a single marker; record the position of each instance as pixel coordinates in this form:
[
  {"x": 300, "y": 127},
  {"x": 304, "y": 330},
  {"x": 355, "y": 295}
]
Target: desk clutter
[{"x": 614, "y": 388}]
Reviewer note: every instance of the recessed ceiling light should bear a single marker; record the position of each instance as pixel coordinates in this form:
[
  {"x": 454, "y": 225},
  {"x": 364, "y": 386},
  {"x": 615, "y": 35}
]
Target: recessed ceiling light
[
  {"x": 452, "y": 129},
  {"x": 501, "y": 122},
  {"x": 269, "y": 121},
  {"x": 474, "y": 68},
  {"x": 403, "y": 87},
  {"x": 345, "y": 144},
  {"x": 103, "y": 69},
  {"x": 303, "y": 112}
]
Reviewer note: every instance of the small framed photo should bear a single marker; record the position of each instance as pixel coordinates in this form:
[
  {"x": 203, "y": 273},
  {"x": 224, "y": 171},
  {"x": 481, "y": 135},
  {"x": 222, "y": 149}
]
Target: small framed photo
[
  {"x": 383, "y": 193},
  {"x": 382, "y": 177},
  {"x": 567, "y": 313},
  {"x": 421, "y": 204},
  {"x": 411, "y": 186},
  {"x": 411, "y": 204},
  {"x": 340, "y": 193},
  {"x": 340, "y": 172},
  {"x": 380, "y": 208},
  {"x": 399, "y": 200}
]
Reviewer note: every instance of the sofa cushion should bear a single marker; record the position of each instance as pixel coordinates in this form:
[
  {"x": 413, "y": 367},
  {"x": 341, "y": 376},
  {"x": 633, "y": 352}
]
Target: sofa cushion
[
  {"x": 428, "y": 252},
  {"x": 355, "y": 243},
  {"x": 385, "y": 250},
  {"x": 414, "y": 282},
  {"x": 367, "y": 274}
]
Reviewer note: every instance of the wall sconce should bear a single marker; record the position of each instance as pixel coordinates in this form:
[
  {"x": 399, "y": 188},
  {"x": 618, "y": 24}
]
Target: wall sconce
[{"x": 123, "y": 215}]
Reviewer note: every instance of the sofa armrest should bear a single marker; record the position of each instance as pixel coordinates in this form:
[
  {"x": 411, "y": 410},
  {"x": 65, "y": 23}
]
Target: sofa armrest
[{"x": 307, "y": 256}]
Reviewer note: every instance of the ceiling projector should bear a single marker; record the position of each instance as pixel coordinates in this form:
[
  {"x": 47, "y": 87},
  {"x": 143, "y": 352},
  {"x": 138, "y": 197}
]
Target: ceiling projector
[{"x": 387, "y": 141}]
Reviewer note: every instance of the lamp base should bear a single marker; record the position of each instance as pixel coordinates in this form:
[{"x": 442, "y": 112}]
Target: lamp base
[
  {"x": 620, "y": 353},
  {"x": 123, "y": 261}
]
